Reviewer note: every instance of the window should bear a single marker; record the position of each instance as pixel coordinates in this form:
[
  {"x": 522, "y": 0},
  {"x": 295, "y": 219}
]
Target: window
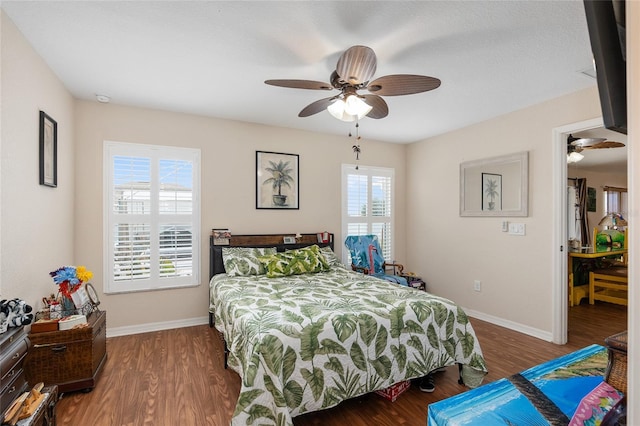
[
  {"x": 367, "y": 200},
  {"x": 616, "y": 201},
  {"x": 152, "y": 222}
]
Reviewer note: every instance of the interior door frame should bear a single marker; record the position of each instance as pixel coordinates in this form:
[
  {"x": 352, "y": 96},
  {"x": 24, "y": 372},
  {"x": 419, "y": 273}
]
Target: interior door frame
[{"x": 560, "y": 291}]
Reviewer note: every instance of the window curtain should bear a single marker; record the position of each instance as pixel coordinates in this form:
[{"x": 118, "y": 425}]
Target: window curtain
[
  {"x": 582, "y": 218},
  {"x": 572, "y": 214}
]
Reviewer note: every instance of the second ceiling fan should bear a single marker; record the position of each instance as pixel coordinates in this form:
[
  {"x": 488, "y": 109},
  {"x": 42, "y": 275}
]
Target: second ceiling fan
[{"x": 354, "y": 72}]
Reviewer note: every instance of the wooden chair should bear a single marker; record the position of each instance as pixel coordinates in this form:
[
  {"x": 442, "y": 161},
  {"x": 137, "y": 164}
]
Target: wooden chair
[
  {"x": 609, "y": 285},
  {"x": 366, "y": 257}
]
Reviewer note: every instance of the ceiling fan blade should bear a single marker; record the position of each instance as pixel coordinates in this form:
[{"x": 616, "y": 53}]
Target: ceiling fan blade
[
  {"x": 300, "y": 84},
  {"x": 357, "y": 65},
  {"x": 402, "y": 84},
  {"x": 604, "y": 144},
  {"x": 584, "y": 142},
  {"x": 379, "y": 106},
  {"x": 316, "y": 107}
]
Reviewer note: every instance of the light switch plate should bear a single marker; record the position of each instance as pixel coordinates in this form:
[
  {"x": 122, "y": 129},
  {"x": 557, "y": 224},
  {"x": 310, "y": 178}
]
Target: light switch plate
[{"x": 517, "y": 229}]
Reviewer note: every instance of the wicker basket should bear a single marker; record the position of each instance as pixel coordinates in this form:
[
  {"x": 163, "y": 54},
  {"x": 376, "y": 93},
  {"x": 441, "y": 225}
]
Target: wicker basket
[{"x": 616, "y": 374}]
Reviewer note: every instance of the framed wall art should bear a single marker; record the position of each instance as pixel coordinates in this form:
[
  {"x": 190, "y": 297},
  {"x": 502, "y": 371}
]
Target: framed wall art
[
  {"x": 491, "y": 191},
  {"x": 48, "y": 150},
  {"x": 591, "y": 199},
  {"x": 277, "y": 180}
]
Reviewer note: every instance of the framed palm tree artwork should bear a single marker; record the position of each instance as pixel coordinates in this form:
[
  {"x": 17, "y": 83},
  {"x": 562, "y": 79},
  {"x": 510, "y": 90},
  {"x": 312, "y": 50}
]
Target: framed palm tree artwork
[
  {"x": 491, "y": 192},
  {"x": 277, "y": 180}
]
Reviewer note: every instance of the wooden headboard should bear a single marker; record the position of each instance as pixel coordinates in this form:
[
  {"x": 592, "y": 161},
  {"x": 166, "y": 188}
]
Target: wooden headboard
[{"x": 216, "y": 266}]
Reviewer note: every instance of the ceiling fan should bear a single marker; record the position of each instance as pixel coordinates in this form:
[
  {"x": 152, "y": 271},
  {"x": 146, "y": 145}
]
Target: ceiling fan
[
  {"x": 354, "y": 70},
  {"x": 577, "y": 145}
]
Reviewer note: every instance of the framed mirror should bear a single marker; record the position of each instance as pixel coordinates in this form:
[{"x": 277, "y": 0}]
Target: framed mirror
[{"x": 496, "y": 186}]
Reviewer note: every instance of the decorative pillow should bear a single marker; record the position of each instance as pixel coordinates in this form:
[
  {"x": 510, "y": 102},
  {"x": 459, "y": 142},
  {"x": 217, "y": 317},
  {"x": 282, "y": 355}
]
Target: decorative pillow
[
  {"x": 295, "y": 262},
  {"x": 242, "y": 261},
  {"x": 332, "y": 259}
]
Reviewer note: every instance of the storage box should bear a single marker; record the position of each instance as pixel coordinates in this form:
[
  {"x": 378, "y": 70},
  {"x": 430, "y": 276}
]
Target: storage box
[
  {"x": 72, "y": 321},
  {"x": 393, "y": 392},
  {"x": 44, "y": 325}
]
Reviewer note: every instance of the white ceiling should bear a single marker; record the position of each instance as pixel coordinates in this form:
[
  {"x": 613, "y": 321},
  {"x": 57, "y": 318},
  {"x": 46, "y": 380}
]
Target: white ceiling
[{"x": 211, "y": 58}]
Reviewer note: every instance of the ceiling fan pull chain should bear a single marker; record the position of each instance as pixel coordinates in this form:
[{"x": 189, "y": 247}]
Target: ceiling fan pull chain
[{"x": 356, "y": 147}]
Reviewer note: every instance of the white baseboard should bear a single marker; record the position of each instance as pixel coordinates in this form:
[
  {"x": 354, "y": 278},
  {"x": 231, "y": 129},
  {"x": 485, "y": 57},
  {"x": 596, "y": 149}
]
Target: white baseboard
[
  {"x": 521, "y": 328},
  {"x": 155, "y": 326},
  {"x": 190, "y": 322}
]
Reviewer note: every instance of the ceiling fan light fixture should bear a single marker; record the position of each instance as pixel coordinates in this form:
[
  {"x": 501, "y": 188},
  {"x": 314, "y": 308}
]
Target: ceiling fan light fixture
[
  {"x": 574, "y": 157},
  {"x": 349, "y": 109},
  {"x": 354, "y": 105},
  {"x": 337, "y": 109}
]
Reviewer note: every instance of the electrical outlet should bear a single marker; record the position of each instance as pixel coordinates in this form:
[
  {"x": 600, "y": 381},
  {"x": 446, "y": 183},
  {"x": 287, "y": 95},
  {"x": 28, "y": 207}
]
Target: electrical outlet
[
  {"x": 477, "y": 285},
  {"x": 517, "y": 228},
  {"x": 505, "y": 226}
]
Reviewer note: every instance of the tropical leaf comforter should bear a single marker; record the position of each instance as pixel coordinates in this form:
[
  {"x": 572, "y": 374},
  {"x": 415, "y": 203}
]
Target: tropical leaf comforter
[{"x": 307, "y": 342}]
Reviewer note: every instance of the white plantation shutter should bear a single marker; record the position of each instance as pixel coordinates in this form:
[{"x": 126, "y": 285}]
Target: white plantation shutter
[
  {"x": 152, "y": 227},
  {"x": 367, "y": 203}
]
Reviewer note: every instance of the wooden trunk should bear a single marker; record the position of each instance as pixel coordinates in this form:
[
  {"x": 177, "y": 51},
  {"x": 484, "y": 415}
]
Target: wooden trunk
[{"x": 71, "y": 359}]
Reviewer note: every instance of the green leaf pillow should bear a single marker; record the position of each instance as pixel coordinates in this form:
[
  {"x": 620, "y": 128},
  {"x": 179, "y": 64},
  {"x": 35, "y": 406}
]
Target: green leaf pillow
[
  {"x": 243, "y": 261},
  {"x": 332, "y": 259},
  {"x": 295, "y": 262}
]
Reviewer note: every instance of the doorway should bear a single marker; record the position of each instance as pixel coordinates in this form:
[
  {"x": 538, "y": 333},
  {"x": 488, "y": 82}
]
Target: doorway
[{"x": 598, "y": 165}]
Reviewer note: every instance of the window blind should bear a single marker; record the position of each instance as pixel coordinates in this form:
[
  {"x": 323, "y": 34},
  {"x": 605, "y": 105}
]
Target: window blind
[{"x": 153, "y": 223}]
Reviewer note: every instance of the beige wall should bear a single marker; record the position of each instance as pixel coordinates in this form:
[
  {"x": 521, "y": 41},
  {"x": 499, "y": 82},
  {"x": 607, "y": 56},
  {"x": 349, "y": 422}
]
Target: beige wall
[
  {"x": 228, "y": 190},
  {"x": 37, "y": 221},
  {"x": 452, "y": 251}
]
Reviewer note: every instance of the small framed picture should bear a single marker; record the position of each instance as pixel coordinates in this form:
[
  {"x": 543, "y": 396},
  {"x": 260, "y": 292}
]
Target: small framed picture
[
  {"x": 289, "y": 240},
  {"x": 491, "y": 191},
  {"x": 48, "y": 151},
  {"x": 221, "y": 237}
]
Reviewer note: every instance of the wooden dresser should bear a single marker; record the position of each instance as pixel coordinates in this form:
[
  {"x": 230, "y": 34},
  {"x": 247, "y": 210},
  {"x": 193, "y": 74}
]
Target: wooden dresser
[
  {"x": 14, "y": 344},
  {"x": 71, "y": 359}
]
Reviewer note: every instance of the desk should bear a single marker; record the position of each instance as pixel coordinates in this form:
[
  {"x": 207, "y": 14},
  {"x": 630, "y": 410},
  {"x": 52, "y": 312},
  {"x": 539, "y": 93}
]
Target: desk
[
  {"x": 587, "y": 253},
  {"x": 590, "y": 253}
]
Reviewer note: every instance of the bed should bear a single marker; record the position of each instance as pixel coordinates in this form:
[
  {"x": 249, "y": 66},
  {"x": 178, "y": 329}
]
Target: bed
[{"x": 304, "y": 342}]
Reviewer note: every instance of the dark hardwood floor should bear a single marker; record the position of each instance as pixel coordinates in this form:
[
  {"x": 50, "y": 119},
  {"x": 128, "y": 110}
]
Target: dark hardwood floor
[{"x": 176, "y": 377}]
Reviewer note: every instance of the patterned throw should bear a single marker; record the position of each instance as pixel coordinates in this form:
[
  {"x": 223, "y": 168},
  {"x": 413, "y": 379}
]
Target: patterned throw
[
  {"x": 595, "y": 405},
  {"x": 307, "y": 342}
]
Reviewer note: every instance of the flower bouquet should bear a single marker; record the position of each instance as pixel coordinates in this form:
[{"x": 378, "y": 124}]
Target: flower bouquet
[{"x": 69, "y": 280}]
